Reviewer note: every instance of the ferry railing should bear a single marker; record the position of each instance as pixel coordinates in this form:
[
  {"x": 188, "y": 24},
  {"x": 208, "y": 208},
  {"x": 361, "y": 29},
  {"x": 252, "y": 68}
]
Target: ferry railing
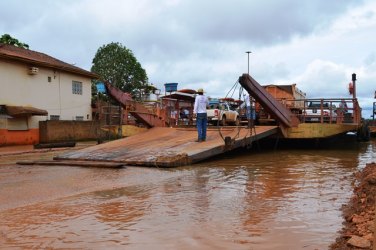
[
  {"x": 322, "y": 110},
  {"x": 326, "y": 110}
]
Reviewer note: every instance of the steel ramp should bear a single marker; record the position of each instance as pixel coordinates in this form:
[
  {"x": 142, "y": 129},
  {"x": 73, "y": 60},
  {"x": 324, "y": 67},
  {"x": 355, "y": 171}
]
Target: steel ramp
[
  {"x": 268, "y": 102},
  {"x": 170, "y": 147}
]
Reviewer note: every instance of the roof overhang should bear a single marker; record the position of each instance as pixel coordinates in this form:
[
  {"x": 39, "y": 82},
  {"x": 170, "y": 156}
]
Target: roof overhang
[
  {"x": 21, "y": 111},
  {"x": 180, "y": 96}
]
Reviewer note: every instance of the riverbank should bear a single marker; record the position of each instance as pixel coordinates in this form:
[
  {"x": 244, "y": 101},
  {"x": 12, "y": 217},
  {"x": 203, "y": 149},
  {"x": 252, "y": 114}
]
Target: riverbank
[{"x": 359, "y": 225}]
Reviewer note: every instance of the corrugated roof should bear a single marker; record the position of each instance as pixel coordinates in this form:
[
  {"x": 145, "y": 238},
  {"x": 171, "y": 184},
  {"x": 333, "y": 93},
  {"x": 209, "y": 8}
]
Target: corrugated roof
[{"x": 34, "y": 58}]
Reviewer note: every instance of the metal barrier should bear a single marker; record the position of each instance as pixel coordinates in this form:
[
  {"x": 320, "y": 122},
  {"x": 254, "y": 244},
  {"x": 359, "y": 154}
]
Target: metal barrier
[{"x": 328, "y": 110}]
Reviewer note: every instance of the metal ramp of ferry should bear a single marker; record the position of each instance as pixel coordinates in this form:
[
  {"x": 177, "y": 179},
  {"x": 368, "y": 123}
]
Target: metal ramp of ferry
[
  {"x": 169, "y": 147},
  {"x": 282, "y": 114}
]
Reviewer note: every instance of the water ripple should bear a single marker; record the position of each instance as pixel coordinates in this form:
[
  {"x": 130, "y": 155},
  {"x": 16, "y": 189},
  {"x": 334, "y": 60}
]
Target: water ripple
[{"x": 288, "y": 199}]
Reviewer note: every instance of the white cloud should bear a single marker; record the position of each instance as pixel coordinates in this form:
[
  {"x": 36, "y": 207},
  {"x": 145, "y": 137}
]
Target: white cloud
[
  {"x": 324, "y": 79},
  {"x": 316, "y": 44}
]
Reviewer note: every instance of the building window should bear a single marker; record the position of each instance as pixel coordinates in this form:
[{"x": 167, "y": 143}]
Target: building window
[
  {"x": 49, "y": 79},
  {"x": 17, "y": 124},
  {"x": 77, "y": 88},
  {"x": 79, "y": 118},
  {"x": 55, "y": 117}
]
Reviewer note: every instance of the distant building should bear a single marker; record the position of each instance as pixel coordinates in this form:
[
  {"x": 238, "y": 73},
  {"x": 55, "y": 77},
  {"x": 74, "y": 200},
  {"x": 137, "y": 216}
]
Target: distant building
[{"x": 36, "y": 87}]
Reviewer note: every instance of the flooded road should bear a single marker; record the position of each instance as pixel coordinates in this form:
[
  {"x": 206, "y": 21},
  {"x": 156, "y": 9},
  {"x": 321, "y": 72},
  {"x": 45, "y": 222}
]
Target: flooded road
[{"x": 284, "y": 199}]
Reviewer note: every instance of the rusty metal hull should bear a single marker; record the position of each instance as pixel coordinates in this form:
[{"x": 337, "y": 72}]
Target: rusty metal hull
[
  {"x": 170, "y": 147},
  {"x": 319, "y": 130}
]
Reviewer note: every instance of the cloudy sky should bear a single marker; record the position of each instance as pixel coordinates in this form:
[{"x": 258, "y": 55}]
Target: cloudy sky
[{"x": 317, "y": 44}]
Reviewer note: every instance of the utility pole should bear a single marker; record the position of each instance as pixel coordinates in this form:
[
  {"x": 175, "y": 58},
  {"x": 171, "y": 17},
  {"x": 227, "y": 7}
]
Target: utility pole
[
  {"x": 353, "y": 78},
  {"x": 248, "y": 52},
  {"x": 249, "y": 102},
  {"x": 374, "y": 108}
]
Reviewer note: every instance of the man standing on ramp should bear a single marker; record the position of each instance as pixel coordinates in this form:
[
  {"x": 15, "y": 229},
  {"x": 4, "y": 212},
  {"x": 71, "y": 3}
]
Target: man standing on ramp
[{"x": 199, "y": 110}]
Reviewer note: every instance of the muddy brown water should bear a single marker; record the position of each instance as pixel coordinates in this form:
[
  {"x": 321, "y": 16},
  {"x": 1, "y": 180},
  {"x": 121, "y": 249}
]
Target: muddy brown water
[{"x": 285, "y": 199}]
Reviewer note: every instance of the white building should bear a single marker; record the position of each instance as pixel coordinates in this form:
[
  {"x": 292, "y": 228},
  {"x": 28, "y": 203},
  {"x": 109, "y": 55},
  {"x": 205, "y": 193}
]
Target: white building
[{"x": 35, "y": 87}]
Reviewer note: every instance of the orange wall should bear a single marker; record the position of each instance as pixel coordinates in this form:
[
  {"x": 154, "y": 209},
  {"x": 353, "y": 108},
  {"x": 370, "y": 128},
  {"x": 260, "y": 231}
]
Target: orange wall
[
  {"x": 279, "y": 93},
  {"x": 28, "y": 137}
]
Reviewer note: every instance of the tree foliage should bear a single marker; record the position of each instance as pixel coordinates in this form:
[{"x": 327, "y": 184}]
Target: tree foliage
[
  {"x": 117, "y": 64},
  {"x": 8, "y": 39}
]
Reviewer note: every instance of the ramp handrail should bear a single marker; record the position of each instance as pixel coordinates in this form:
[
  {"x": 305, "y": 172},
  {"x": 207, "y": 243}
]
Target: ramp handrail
[{"x": 139, "y": 111}]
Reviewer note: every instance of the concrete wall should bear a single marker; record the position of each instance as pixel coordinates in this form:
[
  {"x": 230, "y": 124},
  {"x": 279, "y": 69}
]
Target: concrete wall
[{"x": 59, "y": 131}]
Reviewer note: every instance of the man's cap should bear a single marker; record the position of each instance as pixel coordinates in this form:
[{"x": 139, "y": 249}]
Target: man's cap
[{"x": 200, "y": 90}]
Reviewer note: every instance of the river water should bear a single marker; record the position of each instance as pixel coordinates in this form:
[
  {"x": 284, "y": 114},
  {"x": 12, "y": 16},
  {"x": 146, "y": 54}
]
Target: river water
[{"x": 249, "y": 199}]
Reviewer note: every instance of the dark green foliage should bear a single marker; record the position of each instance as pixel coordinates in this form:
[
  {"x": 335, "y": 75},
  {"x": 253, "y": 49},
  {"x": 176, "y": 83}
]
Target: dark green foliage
[
  {"x": 117, "y": 64},
  {"x": 8, "y": 39}
]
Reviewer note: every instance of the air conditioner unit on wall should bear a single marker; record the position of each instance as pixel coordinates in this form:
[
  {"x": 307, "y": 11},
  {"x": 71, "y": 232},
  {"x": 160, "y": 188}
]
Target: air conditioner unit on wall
[{"x": 33, "y": 70}]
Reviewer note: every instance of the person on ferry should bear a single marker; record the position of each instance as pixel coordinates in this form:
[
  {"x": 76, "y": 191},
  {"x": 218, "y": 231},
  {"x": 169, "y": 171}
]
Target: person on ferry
[{"x": 199, "y": 110}]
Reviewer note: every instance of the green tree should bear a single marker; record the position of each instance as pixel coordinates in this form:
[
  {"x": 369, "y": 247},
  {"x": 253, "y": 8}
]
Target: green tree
[
  {"x": 117, "y": 64},
  {"x": 8, "y": 39}
]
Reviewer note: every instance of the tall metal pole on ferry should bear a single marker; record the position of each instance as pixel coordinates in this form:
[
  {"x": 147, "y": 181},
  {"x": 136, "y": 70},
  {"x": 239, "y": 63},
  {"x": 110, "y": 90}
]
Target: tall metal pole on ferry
[
  {"x": 249, "y": 110},
  {"x": 248, "y": 52},
  {"x": 374, "y": 108},
  {"x": 353, "y": 78}
]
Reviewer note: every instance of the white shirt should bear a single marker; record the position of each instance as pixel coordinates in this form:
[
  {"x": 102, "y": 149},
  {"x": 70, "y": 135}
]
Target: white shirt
[
  {"x": 247, "y": 101},
  {"x": 201, "y": 102}
]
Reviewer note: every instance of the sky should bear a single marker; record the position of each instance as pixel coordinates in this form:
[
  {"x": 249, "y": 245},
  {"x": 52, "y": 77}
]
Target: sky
[{"x": 317, "y": 44}]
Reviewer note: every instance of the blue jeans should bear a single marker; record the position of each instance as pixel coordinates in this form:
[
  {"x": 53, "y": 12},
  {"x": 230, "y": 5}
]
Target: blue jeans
[
  {"x": 201, "y": 122},
  {"x": 250, "y": 114}
]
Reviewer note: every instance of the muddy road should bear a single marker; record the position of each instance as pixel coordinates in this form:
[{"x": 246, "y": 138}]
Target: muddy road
[{"x": 260, "y": 199}]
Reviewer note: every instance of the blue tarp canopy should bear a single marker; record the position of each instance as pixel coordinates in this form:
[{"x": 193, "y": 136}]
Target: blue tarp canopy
[{"x": 100, "y": 87}]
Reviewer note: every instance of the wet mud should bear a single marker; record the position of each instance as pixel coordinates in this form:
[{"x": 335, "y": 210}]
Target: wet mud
[{"x": 248, "y": 199}]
